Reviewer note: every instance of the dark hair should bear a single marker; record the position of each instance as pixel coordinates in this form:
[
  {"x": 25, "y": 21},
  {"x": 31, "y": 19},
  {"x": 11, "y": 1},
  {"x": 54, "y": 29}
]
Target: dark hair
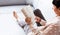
[
  {"x": 56, "y": 3},
  {"x": 38, "y": 13}
]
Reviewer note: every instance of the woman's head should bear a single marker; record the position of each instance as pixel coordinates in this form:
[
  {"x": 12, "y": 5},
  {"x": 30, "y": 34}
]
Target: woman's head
[
  {"x": 37, "y": 12},
  {"x": 38, "y": 19},
  {"x": 56, "y": 3},
  {"x": 56, "y": 7}
]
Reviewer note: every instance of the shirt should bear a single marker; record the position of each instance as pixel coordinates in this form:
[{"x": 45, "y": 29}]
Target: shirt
[
  {"x": 53, "y": 28},
  {"x": 25, "y": 26}
]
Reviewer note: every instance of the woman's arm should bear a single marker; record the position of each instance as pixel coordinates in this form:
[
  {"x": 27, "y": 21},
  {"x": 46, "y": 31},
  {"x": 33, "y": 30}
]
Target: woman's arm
[{"x": 20, "y": 22}]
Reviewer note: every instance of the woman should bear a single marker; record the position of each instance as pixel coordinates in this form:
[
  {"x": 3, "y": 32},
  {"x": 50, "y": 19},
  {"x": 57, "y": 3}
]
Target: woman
[
  {"x": 54, "y": 27},
  {"x": 26, "y": 25},
  {"x": 40, "y": 20}
]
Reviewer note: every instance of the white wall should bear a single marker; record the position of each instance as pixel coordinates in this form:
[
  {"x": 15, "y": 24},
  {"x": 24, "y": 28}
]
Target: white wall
[{"x": 46, "y": 8}]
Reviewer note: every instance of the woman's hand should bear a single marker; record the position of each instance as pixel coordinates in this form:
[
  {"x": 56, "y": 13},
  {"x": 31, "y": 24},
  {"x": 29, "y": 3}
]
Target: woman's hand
[{"x": 15, "y": 15}]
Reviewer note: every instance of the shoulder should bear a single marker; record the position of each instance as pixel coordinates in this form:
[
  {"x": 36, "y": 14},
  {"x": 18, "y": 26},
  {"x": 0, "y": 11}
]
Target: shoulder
[{"x": 54, "y": 21}]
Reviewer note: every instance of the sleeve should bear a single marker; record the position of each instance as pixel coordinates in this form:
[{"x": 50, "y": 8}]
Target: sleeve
[
  {"x": 42, "y": 22},
  {"x": 21, "y": 22}
]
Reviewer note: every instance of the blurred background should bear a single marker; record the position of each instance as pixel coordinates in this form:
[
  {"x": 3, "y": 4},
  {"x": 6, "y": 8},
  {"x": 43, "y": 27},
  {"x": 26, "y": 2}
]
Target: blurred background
[{"x": 8, "y": 24}]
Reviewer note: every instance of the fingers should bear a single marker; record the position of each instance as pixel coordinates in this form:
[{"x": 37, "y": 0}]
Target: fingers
[{"x": 15, "y": 15}]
